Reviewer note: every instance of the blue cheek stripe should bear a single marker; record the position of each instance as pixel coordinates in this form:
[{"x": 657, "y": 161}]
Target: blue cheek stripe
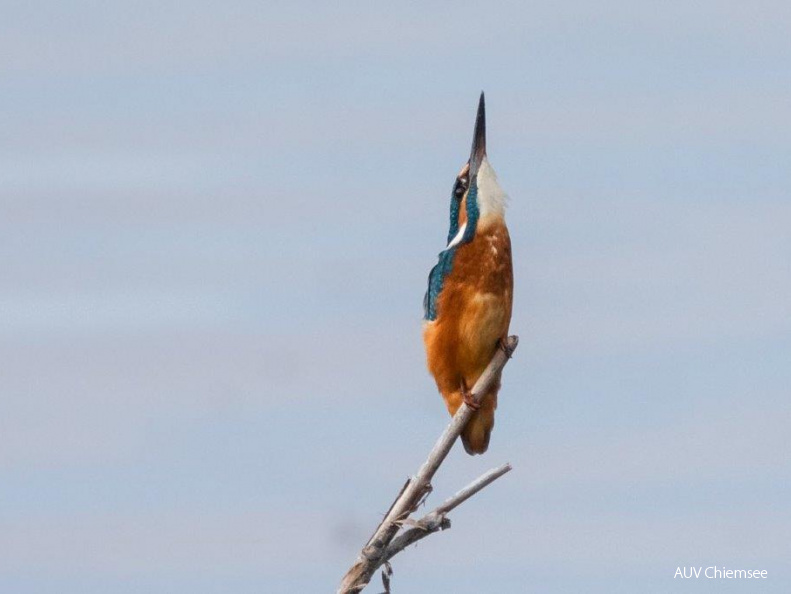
[
  {"x": 472, "y": 213},
  {"x": 454, "y": 218},
  {"x": 436, "y": 278}
]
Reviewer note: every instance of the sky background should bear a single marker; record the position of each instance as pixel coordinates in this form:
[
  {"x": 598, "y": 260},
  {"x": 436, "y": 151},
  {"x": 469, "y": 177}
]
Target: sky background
[{"x": 216, "y": 223}]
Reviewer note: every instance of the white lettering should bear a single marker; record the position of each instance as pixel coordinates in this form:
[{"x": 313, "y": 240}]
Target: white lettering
[{"x": 714, "y": 572}]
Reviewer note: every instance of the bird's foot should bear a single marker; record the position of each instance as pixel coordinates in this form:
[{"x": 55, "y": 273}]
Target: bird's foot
[
  {"x": 466, "y": 395},
  {"x": 502, "y": 344}
]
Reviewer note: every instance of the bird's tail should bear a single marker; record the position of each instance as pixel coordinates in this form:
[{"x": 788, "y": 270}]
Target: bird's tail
[{"x": 475, "y": 435}]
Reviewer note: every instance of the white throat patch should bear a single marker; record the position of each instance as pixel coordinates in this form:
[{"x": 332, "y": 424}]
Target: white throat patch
[{"x": 491, "y": 197}]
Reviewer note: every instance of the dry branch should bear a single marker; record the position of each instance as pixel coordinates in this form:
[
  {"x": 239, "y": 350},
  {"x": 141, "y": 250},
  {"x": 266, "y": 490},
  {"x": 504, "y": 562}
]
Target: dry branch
[
  {"x": 436, "y": 519},
  {"x": 418, "y": 487}
]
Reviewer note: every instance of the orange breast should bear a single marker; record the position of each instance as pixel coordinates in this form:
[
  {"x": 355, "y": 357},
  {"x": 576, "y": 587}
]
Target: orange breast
[{"x": 473, "y": 309}]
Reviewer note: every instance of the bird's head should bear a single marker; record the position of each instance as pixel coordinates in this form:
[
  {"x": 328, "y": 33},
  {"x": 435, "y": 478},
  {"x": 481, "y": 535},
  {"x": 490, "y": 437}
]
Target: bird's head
[{"x": 477, "y": 198}]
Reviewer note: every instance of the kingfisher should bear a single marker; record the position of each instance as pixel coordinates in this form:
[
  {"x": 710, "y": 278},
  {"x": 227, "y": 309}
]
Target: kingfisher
[{"x": 467, "y": 307}]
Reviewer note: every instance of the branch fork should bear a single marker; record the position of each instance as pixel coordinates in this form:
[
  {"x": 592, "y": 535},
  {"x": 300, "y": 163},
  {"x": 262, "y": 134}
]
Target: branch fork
[{"x": 383, "y": 544}]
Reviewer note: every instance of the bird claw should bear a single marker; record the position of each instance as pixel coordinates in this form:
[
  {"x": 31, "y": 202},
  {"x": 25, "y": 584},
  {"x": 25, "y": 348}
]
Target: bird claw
[
  {"x": 466, "y": 395},
  {"x": 502, "y": 344}
]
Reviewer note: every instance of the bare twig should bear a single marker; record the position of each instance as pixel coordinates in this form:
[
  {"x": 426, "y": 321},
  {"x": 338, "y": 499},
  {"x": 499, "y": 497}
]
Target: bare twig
[
  {"x": 386, "y": 573},
  {"x": 436, "y": 519},
  {"x": 374, "y": 552}
]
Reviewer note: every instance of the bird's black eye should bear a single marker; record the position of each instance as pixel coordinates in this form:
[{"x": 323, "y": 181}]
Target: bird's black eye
[{"x": 460, "y": 187}]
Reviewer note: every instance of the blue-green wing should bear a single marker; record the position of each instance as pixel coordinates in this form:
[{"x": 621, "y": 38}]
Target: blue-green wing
[{"x": 436, "y": 279}]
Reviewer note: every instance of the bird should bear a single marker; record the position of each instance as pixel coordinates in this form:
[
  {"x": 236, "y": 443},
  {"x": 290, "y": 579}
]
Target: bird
[{"x": 467, "y": 306}]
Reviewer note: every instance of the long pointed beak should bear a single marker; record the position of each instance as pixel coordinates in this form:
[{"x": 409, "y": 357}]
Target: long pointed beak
[{"x": 478, "y": 151}]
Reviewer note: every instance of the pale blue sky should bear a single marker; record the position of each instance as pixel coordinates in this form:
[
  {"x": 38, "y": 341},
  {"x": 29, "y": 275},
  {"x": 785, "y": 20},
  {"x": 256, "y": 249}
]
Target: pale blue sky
[{"x": 217, "y": 222}]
